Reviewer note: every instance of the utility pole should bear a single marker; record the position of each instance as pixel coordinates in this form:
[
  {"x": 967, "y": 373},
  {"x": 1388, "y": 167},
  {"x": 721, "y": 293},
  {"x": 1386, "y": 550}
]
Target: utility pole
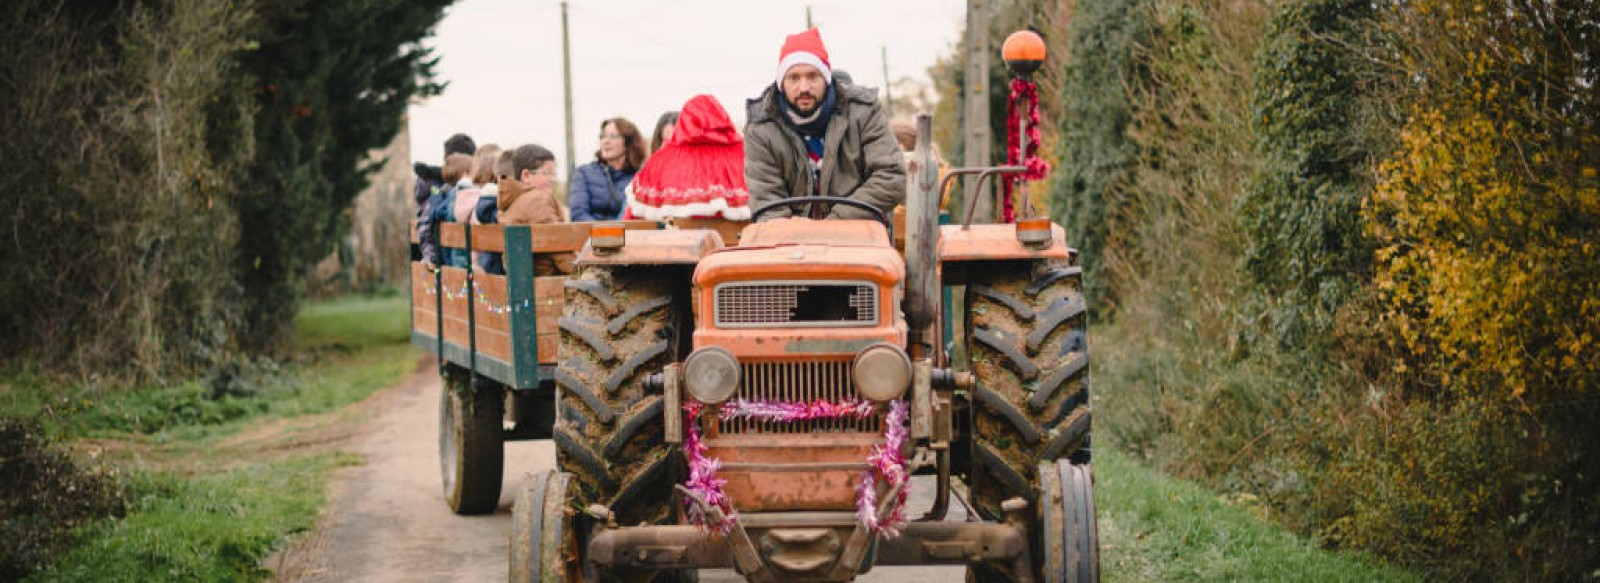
[
  {"x": 888, "y": 98},
  {"x": 975, "y": 96},
  {"x": 566, "y": 78},
  {"x": 808, "y": 17}
]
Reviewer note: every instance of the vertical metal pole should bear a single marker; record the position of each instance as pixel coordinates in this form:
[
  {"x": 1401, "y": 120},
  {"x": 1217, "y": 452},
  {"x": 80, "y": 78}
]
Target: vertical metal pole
[
  {"x": 922, "y": 295},
  {"x": 808, "y": 17},
  {"x": 976, "y": 98},
  {"x": 472, "y": 309},
  {"x": 438, "y": 316},
  {"x": 566, "y": 82},
  {"x": 1021, "y": 202},
  {"x": 888, "y": 98}
]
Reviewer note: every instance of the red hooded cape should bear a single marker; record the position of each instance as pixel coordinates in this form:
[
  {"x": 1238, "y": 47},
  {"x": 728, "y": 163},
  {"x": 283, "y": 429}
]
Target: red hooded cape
[{"x": 699, "y": 172}]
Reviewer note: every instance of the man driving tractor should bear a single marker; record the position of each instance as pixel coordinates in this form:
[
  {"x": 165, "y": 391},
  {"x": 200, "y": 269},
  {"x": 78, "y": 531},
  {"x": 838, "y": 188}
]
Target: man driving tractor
[{"x": 812, "y": 133}]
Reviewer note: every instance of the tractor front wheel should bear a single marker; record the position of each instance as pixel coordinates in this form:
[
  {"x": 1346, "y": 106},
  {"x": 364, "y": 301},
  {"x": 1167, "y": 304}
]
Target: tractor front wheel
[
  {"x": 543, "y": 545},
  {"x": 1069, "y": 537}
]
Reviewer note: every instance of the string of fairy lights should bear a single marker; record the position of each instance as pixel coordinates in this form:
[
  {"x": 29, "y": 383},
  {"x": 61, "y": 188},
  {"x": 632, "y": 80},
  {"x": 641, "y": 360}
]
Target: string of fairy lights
[{"x": 482, "y": 298}]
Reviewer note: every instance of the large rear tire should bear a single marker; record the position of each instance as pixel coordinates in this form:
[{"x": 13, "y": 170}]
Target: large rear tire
[
  {"x": 471, "y": 442},
  {"x": 620, "y": 324},
  {"x": 1030, "y": 355}
]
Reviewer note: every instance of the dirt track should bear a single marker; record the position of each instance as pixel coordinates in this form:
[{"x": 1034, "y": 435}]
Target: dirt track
[{"x": 386, "y": 520}]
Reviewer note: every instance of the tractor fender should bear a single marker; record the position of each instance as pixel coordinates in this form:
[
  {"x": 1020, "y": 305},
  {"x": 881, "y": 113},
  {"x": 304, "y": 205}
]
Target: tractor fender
[
  {"x": 668, "y": 247},
  {"x": 997, "y": 242}
]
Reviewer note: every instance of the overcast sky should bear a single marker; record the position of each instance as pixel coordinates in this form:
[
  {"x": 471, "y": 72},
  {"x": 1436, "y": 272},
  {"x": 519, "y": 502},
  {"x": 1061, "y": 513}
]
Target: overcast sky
[{"x": 640, "y": 58}]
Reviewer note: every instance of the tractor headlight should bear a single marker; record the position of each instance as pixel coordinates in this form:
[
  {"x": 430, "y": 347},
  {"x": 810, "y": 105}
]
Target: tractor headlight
[
  {"x": 882, "y": 372},
  {"x": 711, "y": 375}
]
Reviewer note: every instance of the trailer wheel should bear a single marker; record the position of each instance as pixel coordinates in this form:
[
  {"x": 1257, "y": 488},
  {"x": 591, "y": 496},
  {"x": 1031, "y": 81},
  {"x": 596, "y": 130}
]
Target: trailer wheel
[
  {"x": 543, "y": 544},
  {"x": 619, "y": 325},
  {"x": 471, "y": 442},
  {"x": 1027, "y": 339}
]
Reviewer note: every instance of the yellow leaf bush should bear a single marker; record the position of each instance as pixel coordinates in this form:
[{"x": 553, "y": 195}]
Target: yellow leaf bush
[{"x": 1486, "y": 281}]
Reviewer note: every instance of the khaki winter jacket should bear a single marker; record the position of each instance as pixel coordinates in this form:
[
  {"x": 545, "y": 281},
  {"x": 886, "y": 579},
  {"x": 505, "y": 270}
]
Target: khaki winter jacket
[
  {"x": 860, "y": 158},
  {"x": 521, "y": 205}
]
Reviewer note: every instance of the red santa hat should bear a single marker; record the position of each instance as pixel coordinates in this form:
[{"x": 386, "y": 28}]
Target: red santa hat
[{"x": 804, "y": 49}]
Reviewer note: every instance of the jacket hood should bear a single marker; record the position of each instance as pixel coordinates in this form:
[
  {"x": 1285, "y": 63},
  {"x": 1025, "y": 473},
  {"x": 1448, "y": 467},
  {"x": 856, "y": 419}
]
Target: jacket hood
[
  {"x": 508, "y": 192},
  {"x": 428, "y": 172},
  {"x": 703, "y": 121}
]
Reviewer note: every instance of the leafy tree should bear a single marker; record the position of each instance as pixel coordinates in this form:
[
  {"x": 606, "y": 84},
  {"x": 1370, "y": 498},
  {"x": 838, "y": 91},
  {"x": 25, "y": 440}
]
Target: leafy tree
[
  {"x": 117, "y": 180},
  {"x": 332, "y": 82},
  {"x": 172, "y": 167},
  {"x": 1487, "y": 270},
  {"x": 1306, "y": 250},
  {"x": 1098, "y": 160}
]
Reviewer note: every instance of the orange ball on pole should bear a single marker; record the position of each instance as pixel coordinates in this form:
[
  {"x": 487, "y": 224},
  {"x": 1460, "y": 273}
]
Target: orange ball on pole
[{"x": 1023, "y": 52}]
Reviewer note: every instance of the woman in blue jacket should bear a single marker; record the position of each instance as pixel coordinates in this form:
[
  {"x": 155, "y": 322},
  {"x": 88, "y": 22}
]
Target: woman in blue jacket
[{"x": 598, "y": 188}]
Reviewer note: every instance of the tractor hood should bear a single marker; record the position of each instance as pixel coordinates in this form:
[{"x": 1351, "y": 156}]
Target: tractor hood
[
  {"x": 799, "y": 230},
  {"x": 806, "y": 249},
  {"x": 880, "y": 265}
]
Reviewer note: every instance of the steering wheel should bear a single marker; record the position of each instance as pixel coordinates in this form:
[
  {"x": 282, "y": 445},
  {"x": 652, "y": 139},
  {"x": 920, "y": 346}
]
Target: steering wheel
[{"x": 812, "y": 201}]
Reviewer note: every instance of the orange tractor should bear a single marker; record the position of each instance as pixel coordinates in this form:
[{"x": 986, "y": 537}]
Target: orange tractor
[{"x": 762, "y": 406}]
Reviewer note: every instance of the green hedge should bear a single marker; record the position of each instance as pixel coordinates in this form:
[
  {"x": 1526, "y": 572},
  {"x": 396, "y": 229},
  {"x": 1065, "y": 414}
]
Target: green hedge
[
  {"x": 172, "y": 168},
  {"x": 1102, "y": 79},
  {"x": 1315, "y": 124}
]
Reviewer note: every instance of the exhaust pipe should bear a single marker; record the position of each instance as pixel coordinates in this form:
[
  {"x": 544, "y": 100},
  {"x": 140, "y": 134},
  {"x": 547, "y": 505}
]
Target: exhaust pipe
[{"x": 922, "y": 303}]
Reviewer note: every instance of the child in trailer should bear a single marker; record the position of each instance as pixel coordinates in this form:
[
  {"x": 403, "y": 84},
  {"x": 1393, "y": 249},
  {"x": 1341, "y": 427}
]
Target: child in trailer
[
  {"x": 527, "y": 197},
  {"x": 477, "y": 185},
  {"x": 440, "y": 209}
]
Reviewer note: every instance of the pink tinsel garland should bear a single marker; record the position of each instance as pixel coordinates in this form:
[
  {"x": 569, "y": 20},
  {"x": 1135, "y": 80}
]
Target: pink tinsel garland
[
  {"x": 888, "y": 464},
  {"x": 703, "y": 478},
  {"x": 792, "y": 411},
  {"x": 1023, "y": 91}
]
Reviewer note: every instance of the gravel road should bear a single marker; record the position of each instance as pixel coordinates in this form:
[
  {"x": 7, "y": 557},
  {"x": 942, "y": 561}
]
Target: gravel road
[{"x": 387, "y": 521}]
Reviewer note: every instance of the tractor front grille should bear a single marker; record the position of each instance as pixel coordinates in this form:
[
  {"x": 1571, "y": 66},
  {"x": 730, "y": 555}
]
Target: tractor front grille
[
  {"x": 799, "y": 382},
  {"x": 796, "y": 304}
]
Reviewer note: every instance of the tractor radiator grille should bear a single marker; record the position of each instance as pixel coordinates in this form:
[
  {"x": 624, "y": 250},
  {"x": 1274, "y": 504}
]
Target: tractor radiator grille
[
  {"x": 796, "y": 304},
  {"x": 792, "y": 382}
]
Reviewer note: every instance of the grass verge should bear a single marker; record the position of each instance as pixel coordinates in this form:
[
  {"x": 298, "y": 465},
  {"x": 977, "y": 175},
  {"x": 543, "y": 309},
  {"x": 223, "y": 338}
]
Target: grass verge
[
  {"x": 1155, "y": 528},
  {"x": 205, "y": 528},
  {"x": 221, "y": 477},
  {"x": 348, "y": 348}
]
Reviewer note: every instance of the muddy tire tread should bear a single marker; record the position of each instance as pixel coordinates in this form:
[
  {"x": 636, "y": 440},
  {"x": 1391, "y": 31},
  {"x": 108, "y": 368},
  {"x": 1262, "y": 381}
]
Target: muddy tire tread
[
  {"x": 594, "y": 289},
  {"x": 619, "y": 324},
  {"x": 1024, "y": 426},
  {"x": 585, "y": 331},
  {"x": 631, "y": 424},
  {"x": 1051, "y": 384},
  {"x": 1059, "y": 312},
  {"x": 576, "y": 450},
  {"x": 573, "y": 386},
  {"x": 630, "y": 366},
  {"x": 1018, "y": 360},
  {"x": 1021, "y": 309}
]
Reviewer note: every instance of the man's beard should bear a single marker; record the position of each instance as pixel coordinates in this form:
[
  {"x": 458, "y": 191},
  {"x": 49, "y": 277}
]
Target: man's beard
[{"x": 805, "y": 111}]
